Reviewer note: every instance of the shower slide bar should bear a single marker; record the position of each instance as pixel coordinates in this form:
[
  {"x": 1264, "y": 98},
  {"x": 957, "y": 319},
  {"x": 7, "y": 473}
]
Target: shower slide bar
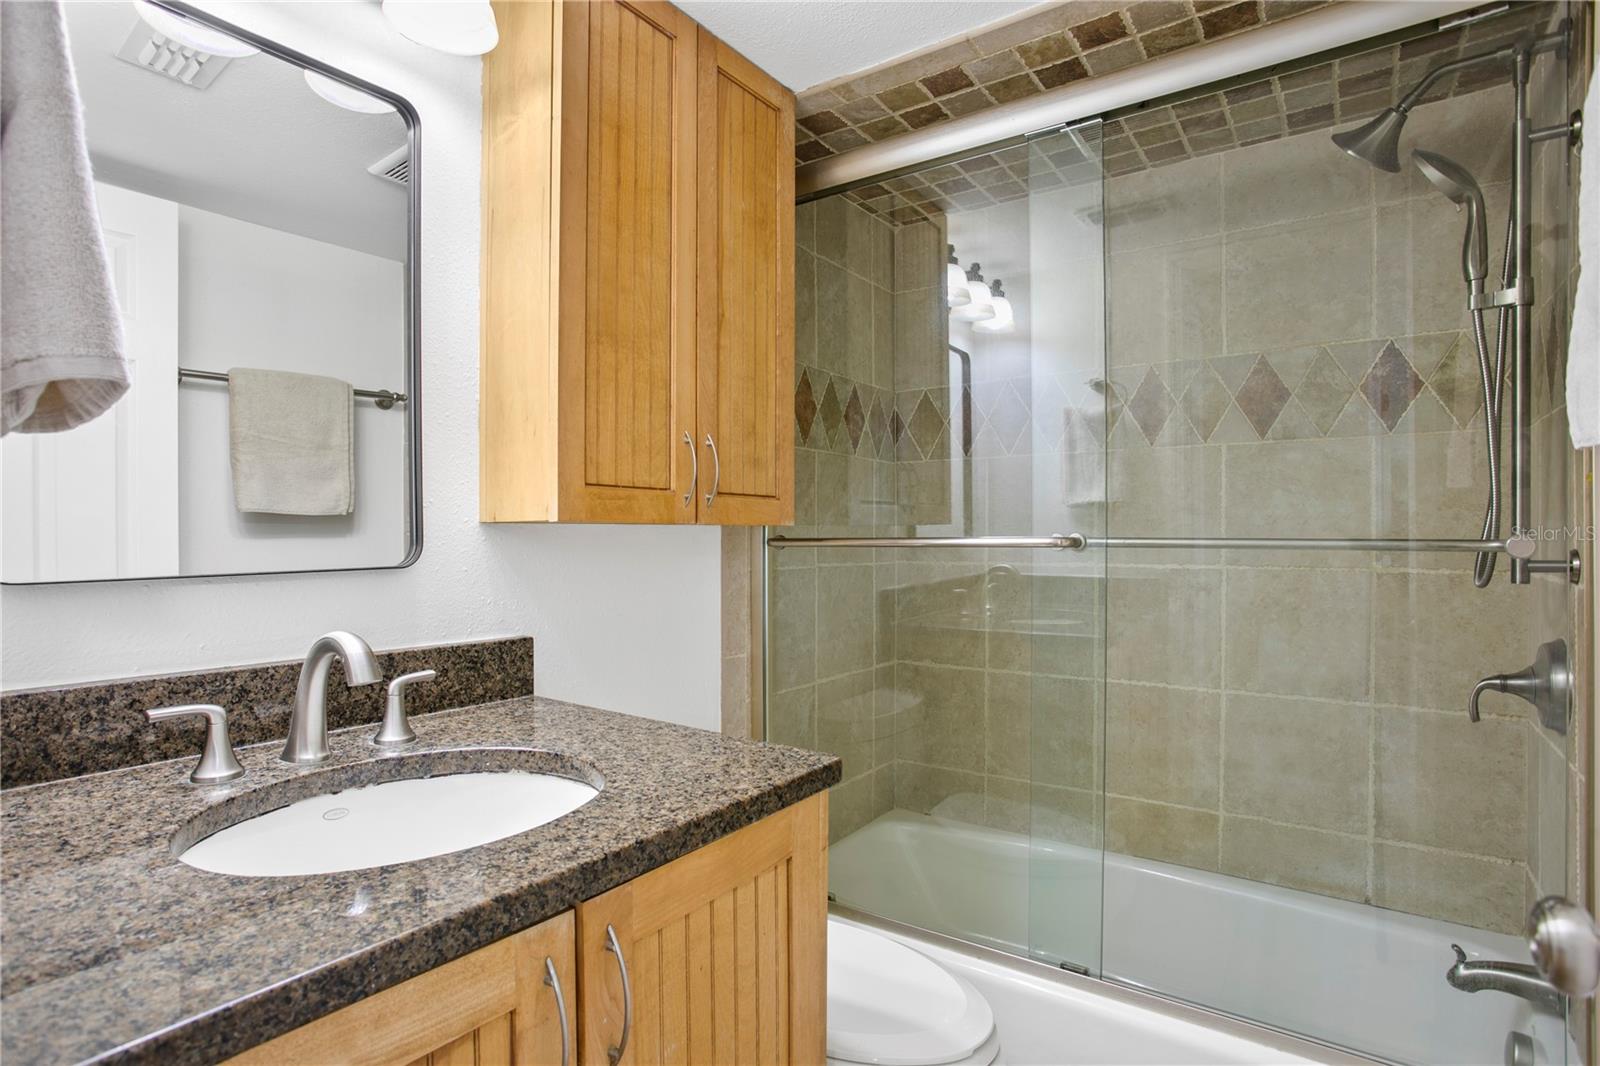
[{"x": 385, "y": 398}]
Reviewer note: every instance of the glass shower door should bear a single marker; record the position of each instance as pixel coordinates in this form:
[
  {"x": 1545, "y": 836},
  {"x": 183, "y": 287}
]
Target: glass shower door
[{"x": 960, "y": 685}]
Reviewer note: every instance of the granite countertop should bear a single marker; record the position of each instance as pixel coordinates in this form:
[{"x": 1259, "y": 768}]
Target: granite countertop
[{"x": 116, "y": 951}]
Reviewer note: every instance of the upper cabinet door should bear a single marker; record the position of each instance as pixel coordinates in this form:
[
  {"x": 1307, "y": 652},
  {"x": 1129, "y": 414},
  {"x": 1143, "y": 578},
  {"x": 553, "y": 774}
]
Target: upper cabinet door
[
  {"x": 627, "y": 173},
  {"x": 745, "y": 278}
]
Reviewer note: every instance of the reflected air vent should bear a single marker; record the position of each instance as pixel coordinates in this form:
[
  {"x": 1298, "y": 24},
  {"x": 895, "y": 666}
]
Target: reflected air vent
[
  {"x": 395, "y": 167},
  {"x": 166, "y": 57}
]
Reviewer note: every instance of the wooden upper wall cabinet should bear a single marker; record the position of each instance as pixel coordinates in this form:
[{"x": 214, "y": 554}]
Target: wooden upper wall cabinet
[{"x": 638, "y": 272}]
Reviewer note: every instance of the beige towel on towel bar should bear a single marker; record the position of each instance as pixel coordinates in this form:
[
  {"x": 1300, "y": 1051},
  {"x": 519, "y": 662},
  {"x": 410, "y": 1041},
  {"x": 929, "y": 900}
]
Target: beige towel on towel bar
[
  {"x": 292, "y": 441},
  {"x": 61, "y": 348}
]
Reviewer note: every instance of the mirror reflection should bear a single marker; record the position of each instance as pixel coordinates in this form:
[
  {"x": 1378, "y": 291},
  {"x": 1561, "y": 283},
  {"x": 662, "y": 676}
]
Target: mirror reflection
[{"x": 255, "y": 221}]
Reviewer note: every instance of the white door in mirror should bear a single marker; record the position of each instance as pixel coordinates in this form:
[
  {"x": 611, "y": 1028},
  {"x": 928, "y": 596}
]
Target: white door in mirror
[{"x": 389, "y": 823}]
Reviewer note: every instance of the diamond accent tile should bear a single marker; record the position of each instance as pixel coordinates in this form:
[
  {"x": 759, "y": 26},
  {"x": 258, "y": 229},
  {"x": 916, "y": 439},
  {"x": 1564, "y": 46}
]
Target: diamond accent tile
[
  {"x": 1324, "y": 391},
  {"x": 1261, "y": 397},
  {"x": 1457, "y": 383},
  {"x": 855, "y": 418},
  {"x": 831, "y": 413},
  {"x": 1391, "y": 385},
  {"x": 925, "y": 426},
  {"x": 897, "y": 427},
  {"x": 805, "y": 406},
  {"x": 1204, "y": 402},
  {"x": 878, "y": 424},
  {"x": 1151, "y": 405},
  {"x": 1009, "y": 418}
]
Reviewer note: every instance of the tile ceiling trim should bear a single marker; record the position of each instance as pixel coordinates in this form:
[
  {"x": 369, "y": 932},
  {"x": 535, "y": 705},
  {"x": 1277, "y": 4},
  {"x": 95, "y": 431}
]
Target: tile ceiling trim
[{"x": 1315, "y": 31}]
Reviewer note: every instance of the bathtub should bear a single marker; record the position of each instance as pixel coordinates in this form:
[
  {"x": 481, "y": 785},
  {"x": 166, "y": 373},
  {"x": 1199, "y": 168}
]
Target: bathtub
[{"x": 1347, "y": 974}]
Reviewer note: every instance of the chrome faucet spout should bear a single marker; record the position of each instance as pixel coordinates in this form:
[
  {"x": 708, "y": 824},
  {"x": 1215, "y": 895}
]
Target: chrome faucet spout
[
  {"x": 1513, "y": 978},
  {"x": 308, "y": 725}
]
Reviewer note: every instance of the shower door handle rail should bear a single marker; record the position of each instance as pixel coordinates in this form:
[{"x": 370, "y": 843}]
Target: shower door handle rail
[{"x": 1517, "y": 547}]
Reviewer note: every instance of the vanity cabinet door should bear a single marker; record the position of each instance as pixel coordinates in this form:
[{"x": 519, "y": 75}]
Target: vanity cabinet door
[
  {"x": 745, "y": 278},
  {"x": 489, "y": 1008},
  {"x": 725, "y": 950}
]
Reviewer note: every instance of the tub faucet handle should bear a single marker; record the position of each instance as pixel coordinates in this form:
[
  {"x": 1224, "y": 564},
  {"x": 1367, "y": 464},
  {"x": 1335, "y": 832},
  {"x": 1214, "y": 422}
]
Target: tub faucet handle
[
  {"x": 217, "y": 763},
  {"x": 396, "y": 728},
  {"x": 1547, "y": 684}
]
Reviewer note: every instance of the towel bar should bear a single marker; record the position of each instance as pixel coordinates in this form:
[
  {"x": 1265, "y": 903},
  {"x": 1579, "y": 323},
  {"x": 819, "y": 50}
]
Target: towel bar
[{"x": 385, "y": 398}]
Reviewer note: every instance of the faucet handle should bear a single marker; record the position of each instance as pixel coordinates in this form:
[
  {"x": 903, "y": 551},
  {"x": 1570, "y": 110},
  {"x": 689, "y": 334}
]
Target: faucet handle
[
  {"x": 217, "y": 763},
  {"x": 396, "y": 728}
]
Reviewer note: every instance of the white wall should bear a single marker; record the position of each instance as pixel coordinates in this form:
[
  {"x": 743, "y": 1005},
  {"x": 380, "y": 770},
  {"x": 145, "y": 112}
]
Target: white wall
[
  {"x": 252, "y": 296},
  {"x": 625, "y": 618}
]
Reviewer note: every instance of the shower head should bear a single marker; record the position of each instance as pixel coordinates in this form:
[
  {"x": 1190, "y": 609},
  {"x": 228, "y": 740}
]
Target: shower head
[
  {"x": 1377, "y": 142},
  {"x": 1452, "y": 179}
]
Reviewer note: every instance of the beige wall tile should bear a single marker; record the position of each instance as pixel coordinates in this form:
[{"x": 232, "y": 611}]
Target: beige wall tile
[
  {"x": 1292, "y": 178},
  {"x": 1419, "y": 286},
  {"x": 792, "y": 651},
  {"x": 1278, "y": 296},
  {"x": 1299, "y": 761},
  {"x": 1433, "y": 485},
  {"x": 1328, "y": 864},
  {"x": 1312, "y": 488},
  {"x": 939, "y": 790},
  {"x": 1299, "y": 632},
  {"x": 1165, "y": 492},
  {"x": 1164, "y": 626},
  {"x": 1446, "y": 782},
  {"x": 845, "y": 621},
  {"x": 736, "y": 696},
  {"x": 1165, "y": 205},
  {"x": 792, "y": 717},
  {"x": 1156, "y": 831},
  {"x": 1068, "y": 815},
  {"x": 1482, "y": 893},
  {"x": 846, "y": 723},
  {"x": 1165, "y": 302},
  {"x": 946, "y": 638},
  {"x": 1163, "y": 744},
  {"x": 943, "y": 725},
  {"x": 1437, "y": 635}
]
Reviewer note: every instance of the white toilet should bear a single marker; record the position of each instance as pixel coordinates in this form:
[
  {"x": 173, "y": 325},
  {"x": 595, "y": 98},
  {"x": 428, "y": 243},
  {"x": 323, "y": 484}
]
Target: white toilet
[{"x": 891, "y": 1005}]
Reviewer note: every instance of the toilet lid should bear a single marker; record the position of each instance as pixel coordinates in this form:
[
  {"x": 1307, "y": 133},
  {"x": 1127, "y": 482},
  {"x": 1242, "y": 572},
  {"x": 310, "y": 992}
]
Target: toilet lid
[{"x": 891, "y": 1005}]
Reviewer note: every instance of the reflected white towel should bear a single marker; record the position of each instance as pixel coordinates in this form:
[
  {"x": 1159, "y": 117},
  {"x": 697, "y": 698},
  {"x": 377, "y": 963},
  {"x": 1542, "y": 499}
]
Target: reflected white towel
[
  {"x": 61, "y": 350},
  {"x": 1583, "y": 344},
  {"x": 292, "y": 440}
]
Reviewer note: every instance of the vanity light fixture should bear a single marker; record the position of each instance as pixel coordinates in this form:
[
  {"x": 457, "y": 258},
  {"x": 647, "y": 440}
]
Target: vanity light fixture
[
  {"x": 459, "y": 27},
  {"x": 955, "y": 281},
  {"x": 346, "y": 96},
  {"x": 981, "y": 301},
  {"x": 1003, "y": 321},
  {"x": 192, "y": 34}
]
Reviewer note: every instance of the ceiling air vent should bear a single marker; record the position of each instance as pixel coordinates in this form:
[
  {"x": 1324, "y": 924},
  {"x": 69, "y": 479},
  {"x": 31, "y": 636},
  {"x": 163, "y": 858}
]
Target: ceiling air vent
[
  {"x": 395, "y": 167},
  {"x": 166, "y": 57}
]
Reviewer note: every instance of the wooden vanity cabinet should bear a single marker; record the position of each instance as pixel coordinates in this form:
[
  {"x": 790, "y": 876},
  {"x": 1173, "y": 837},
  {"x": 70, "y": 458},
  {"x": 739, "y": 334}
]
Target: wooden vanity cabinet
[
  {"x": 637, "y": 272},
  {"x": 726, "y": 954},
  {"x": 490, "y": 1008},
  {"x": 726, "y": 951}
]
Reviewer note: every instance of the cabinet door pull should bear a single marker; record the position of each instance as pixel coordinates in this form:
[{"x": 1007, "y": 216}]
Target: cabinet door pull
[
  {"x": 615, "y": 1052},
  {"x": 551, "y": 979},
  {"x": 716, "y": 471},
  {"x": 694, "y": 469}
]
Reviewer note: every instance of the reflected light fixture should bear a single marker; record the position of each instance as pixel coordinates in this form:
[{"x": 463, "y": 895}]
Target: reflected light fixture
[
  {"x": 980, "y": 303},
  {"x": 191, "y": 34},
  {"x": 346, "y": 96},
  {"x": 955, "y": 281},
  {"x": 1003, "y": 321},
  {"x": 459, "y": 27}
]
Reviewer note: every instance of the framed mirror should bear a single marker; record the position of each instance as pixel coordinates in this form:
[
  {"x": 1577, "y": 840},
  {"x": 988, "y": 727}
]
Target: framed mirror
[{"x": 260, "y": 212}]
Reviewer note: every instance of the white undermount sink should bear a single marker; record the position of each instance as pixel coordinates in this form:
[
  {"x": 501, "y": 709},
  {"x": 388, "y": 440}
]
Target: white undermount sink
[{"x": 388, "y": 823}]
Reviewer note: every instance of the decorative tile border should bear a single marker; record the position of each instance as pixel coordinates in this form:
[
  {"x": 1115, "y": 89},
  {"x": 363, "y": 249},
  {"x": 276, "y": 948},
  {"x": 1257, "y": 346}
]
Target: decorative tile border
[
  {"x": 48, "y": 734},
  {"x": 1320, "y": 97}
]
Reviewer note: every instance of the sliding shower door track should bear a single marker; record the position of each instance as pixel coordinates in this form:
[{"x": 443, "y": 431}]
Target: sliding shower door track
[{"x": 1516, "y": 547}]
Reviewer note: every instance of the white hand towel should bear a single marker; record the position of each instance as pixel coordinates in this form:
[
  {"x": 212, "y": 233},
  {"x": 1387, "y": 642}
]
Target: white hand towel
[
  {"x": 61, "y": 350},
  {"x": 1583, "y": 343},
  {"x": 292, "y": 440}
]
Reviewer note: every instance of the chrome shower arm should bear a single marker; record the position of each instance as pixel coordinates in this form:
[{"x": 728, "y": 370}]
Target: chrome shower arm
[{"x": 1505, "y": 53}]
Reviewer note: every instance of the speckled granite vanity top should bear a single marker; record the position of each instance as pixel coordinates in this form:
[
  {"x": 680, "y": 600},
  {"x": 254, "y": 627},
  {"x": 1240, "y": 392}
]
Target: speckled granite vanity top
[{"x": 114, "y": 950}]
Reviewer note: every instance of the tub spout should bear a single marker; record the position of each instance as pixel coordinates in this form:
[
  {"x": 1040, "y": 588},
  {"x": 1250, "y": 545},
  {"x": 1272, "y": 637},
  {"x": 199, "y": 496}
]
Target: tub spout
[{"x": 1513, "y": 978}]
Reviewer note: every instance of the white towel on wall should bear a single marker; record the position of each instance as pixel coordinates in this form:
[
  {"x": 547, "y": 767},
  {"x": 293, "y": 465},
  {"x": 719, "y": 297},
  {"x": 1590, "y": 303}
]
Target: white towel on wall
[
  {"x": 292, "y": 443},
  {"x": 1583, "y": 344},
  {"x": 62, "y": 359}
]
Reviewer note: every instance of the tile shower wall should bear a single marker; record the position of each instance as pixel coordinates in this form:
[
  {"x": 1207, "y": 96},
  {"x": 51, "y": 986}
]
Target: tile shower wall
[{"x": 1289, "y": 357}]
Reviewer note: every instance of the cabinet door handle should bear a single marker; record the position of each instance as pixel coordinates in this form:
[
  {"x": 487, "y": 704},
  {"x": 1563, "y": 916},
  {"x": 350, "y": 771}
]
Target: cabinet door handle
[
  {"x": 694, "y": 470},
  {"x": 615, "y": 1052},
  {"x": 551, "y": 979},
  {"x": 716, "y": 471}
]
